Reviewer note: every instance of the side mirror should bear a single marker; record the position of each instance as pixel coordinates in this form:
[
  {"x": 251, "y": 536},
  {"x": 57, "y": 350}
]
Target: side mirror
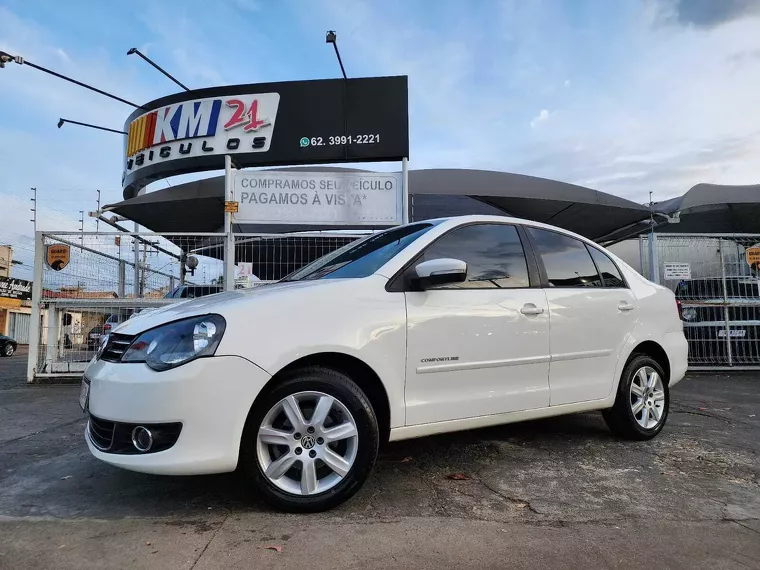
[{"x": 439, "y": 272}]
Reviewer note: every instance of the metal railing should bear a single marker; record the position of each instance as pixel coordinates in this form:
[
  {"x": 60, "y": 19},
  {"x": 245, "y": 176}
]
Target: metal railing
[
  {"x": 719, "y": 292},
  {"x": 113, "y": 276}
]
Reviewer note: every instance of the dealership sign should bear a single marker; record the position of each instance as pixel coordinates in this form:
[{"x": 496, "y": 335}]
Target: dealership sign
[
  {"x": 315, "y": 198},
  {"x": 12, "y": 288},
  {"x": 230, "y": 125},
  {"x": 270, "y": 124}
]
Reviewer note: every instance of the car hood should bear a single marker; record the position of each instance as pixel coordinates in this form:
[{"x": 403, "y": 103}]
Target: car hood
[{"x": 220, "y": 303}]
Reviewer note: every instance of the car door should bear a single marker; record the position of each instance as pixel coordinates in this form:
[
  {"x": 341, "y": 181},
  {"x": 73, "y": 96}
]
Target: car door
[
  {"x": 479, "y": 347},
  {"x": 592, "y": 314}
]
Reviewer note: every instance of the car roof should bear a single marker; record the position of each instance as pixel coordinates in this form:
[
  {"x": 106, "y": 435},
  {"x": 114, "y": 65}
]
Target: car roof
[{"x": 475, "y": 218}]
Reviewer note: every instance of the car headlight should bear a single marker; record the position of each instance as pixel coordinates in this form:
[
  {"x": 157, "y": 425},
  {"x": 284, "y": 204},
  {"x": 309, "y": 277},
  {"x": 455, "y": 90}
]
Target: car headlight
[
  {"x": 689, "y": 314},
  {"x": 177, "y": 343}
]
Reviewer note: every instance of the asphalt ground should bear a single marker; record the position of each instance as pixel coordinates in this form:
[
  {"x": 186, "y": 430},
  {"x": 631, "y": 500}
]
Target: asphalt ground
[{"x": 555, "y": 493}]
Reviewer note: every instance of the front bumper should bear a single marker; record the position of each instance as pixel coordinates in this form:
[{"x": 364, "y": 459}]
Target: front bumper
[{"x": 210, "y": 397}]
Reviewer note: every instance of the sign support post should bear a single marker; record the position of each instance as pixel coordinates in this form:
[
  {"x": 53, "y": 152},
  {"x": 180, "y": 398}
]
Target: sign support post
[
  {"x": 405, "y": 190},
  {"x": 654, "y": 261},
  {"x": 34, "y": 325},
  {"x": 229, "y": 238},
  {"x": 136, "y": 284}
]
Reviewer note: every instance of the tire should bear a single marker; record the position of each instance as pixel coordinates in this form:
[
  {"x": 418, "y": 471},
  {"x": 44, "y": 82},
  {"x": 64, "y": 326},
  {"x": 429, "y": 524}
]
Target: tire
[
  {"x": 8, "y": 350},
  {"x": 294, "y": 490},
  {"x": 622, "y": 419}
]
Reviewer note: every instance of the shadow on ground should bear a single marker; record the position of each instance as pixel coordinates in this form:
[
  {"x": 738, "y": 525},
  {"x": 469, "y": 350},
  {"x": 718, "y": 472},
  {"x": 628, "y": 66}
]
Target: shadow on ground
[{"x": 704, "y": 466}]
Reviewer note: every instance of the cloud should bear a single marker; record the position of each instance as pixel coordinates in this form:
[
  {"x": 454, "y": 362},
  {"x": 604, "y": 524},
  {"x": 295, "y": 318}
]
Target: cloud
[
  {"x": 741, "y": 57},
  {"x": 653, "y": 105},
  {"x": 711, "y": 13},
  {"x": 542, "y": 117}
]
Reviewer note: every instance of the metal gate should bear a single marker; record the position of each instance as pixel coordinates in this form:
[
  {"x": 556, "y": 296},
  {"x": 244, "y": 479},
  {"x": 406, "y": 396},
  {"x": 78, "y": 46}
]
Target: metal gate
[
  {"x": 111, "y": 277},
  {"x": 716, "y": 280},
  {"x": 19, "y": 327}
]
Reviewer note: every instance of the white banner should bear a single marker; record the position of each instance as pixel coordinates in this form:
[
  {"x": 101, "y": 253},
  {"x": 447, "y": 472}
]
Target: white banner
[{"x": 350, "y": 198}]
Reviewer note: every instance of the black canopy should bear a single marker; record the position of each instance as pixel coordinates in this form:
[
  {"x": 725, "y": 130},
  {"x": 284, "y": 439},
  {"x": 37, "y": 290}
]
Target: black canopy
[{"x": 198, "y": 206}]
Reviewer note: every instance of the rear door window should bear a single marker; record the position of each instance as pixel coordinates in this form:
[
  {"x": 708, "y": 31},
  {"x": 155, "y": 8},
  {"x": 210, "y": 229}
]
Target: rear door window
[
  {"x": 611, "y": 276},
  {"x": 566, "y": 259}
]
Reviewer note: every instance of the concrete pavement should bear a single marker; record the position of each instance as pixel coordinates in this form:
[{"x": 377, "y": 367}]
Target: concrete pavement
[{"x": 554, "y": 493}]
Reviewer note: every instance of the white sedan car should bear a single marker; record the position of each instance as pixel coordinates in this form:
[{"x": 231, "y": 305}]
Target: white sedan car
[{"x": 431, "y": 327}]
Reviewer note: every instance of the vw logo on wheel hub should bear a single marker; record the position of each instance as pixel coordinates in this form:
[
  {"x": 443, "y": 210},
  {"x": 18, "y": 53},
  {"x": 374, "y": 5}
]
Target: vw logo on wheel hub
[{"x": 308, "y": 441}]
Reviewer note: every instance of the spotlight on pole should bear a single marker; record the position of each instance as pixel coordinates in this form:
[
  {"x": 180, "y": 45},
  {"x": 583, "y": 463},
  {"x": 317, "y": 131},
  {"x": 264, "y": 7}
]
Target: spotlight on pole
[
  {"x": 332, "y": 38},
  {"x": 5, "y": 57},
  {"x": 61, "y": 122},
  {"x": 150, "y": 61}
]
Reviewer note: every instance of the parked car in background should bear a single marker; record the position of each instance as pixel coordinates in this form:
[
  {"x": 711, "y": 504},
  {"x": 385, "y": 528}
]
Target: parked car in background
[
  {"x": 193, "y": 291},
  {"x": 114, "y": 320},
  {"x": 426, "y": 328},
  {"x": 7, "y": 345},
  {"x": 93, "y": 337},
  {"x": 718, "y": 316}
]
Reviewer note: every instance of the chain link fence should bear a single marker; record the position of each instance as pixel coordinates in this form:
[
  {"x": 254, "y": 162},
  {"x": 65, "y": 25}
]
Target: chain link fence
[
  {"x": 715, "y": 279},
  {"x": 111, "y": 277}
]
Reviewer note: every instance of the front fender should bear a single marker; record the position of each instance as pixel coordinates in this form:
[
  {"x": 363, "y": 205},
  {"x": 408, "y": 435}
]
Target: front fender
[{"x": 356, "y": 317}]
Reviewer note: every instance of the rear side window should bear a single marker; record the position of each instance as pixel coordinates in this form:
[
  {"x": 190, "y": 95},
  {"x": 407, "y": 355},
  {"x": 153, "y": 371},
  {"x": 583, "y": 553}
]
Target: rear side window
[
  {"x": 607, "y": 269},
  {"x": 567, "y": 261},
  {"x": 493, "y": 253}
]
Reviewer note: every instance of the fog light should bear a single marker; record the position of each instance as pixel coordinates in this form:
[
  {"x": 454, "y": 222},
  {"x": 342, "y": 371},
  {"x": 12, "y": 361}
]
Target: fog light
[{"x": 142, "y": 439}]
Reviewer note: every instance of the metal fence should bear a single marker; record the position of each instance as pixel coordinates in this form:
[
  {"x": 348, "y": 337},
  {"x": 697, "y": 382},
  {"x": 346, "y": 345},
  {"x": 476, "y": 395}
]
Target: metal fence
[
  {"x": 719, "y": 293},
  {"x": 111, "y": 277}
]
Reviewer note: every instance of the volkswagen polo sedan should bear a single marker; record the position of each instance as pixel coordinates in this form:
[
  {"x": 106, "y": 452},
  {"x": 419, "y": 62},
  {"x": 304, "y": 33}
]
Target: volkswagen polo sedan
[{"x": 426, "y": 328}]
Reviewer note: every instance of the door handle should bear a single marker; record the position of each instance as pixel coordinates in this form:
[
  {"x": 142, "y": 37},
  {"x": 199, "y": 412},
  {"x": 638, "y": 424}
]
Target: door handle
[
  {"x": 531, "y": 309},
  {"x": 624, "y": 306}
]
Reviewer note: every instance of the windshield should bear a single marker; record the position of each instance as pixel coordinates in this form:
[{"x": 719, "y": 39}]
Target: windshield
[{"x": 361, "y": 258}]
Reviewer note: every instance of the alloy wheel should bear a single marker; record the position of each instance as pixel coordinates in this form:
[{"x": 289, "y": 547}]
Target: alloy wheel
[
  {"x": 647, "y": 397},
  {"x": 307, "y": 443}
]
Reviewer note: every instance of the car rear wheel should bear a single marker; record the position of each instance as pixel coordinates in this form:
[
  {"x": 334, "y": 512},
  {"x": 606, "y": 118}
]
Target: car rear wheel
[
  {"x": 8, "y": 350},
  {"x": 643, "y": 400},
  {"x": 310, "y": 443}
]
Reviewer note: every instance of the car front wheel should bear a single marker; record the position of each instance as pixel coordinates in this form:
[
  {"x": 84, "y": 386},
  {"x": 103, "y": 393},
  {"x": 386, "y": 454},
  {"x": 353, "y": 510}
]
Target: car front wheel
[
  {"x": 310, "y": 443},
  {"x": 8, "y": 350},
  {"x": 643, "y": 400}
]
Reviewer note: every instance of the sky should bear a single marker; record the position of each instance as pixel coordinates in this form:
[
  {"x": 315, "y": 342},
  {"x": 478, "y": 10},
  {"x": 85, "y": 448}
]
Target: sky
[{"x": 626, "y": 97}]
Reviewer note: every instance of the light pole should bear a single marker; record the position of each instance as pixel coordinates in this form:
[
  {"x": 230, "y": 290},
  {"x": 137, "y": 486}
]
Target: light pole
[
  {"x": 5, "y": 57},
  {"x": 332, "y": 38},
  {"x": 162, "y": 70},
  {"x": 62, "y": 122}
]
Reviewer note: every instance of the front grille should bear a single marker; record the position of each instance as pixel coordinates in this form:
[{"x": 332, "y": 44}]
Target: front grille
[
  {"x": 116, "y": 346},
  {"x": 116, "y": 437},
  {"x": 101, "y": 433}
]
